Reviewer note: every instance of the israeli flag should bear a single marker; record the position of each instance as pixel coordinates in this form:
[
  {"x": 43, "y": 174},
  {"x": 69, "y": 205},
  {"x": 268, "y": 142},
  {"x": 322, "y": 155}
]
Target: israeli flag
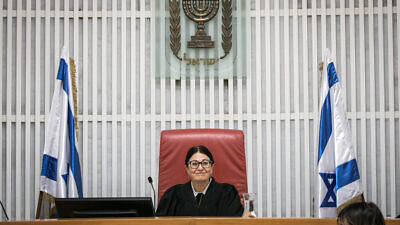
[
  {"x": 338, "y": 177},
  {"x": 61, "y": 171}
]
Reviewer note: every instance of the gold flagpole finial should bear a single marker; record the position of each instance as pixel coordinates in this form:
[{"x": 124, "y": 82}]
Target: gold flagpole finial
[{"x": 320, "y": 65}]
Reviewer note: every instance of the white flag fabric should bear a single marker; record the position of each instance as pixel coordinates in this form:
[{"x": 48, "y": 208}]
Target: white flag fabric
[
  {"x": 61, "y": 172},
  {"x": 338, "y": 177}
]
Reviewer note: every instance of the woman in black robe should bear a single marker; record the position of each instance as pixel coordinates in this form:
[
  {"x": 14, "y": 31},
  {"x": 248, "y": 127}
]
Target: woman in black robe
[{"x": 202, "y": 195}]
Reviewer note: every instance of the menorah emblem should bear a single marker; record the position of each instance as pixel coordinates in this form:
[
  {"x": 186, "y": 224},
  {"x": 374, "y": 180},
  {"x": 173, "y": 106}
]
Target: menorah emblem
[{"x": 200, "y": 11}]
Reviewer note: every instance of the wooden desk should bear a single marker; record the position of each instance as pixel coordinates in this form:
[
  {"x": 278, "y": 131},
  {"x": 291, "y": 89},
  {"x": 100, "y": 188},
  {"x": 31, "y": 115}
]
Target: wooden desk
[{"x": 189, "y": 221}]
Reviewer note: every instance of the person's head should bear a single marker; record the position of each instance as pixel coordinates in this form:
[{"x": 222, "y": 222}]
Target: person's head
[
  {"x": 361, "y": 213},
  {"x": 199, "y": 163}
]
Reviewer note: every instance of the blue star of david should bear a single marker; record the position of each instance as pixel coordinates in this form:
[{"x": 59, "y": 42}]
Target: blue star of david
[{"x": 331, "y": 192}]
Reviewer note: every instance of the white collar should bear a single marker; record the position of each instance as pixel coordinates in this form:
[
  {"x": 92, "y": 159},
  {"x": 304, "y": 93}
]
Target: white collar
[{"x": 204, "y": 191}]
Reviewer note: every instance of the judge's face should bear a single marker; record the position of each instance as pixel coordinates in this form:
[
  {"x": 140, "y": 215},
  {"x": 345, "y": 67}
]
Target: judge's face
[{"x": 200, "y": 173}]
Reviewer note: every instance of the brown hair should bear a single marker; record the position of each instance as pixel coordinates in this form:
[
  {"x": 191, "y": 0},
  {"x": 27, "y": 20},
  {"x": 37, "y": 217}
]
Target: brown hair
[{"x": 361, "y": 213}]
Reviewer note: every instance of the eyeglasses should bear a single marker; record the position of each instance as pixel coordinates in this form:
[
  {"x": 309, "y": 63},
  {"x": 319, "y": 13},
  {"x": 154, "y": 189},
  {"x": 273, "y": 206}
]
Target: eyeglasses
[{"x": 194, "y": 164}]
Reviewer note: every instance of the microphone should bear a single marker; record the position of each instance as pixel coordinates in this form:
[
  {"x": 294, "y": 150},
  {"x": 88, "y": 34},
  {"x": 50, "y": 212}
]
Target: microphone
[
  {"x": 4, "y": 210},
  {"x": 154, "y": 192}
]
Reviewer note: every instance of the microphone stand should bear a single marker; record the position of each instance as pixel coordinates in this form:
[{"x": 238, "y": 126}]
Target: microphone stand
[{"x": 154, "y": 192}]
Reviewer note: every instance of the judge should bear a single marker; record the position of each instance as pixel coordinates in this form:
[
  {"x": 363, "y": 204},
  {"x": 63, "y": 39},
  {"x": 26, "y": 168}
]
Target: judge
[{"x": 202, "y": 195}]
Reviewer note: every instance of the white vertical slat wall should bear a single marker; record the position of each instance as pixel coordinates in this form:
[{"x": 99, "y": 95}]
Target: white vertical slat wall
[{"x": 122, "y": 108}]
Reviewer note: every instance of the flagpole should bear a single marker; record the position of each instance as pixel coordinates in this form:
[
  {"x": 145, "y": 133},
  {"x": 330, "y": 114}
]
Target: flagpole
[
  {"x": 39, "y": 205},
  {"x": 315, "y": 206}
]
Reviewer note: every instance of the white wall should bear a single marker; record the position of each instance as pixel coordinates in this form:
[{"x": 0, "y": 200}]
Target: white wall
[{"x": 122, "y": 109}]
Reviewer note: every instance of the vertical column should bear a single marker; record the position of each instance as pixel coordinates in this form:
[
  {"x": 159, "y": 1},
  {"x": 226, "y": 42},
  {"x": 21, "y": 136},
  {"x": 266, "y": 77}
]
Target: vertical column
[
  {"x": 201, "y": 74},
  {"x": 173, "y": 81},
  {"x": 47, "y": 75},
  {"x": 104, "y": 94},
  {"x": 211, "y": 102},
  {"x": 114, "y": 106},
  {"x": 333, "y": 27},
  {"x": 18, "y": 104},
  {"x": 192, "y": 86},
  {"x": 85, "y": 94},
  {"x": 382, "y": 119},
  {"x": 8, "y": 107},
  {"x": 323, "y": 26},
  {"x": 28, "y": 187},
  {"x": 392, "y": 155},
  {"x": 296, "y": 101},
  {"x": 249, "y": 118},
  {"x": 278, "y": 167},
  {"x": 398, "y": 69},
  {"x": 183, "y": 75},
  {"x": 258, "y": 108},
  {"x": 315, "y": 84},
  {"x": 1, "y": 100},
  {"x": 268, "y": 109},
  {"x": 142, "y": 98},
  {"x": 75, "y": 57},
  {"x": 123, "y": 100},
  {"x": 161, "y": 50},
  {"x": 38, "y": 150},
  {"x": 153, "y": 117},
  {"x": 133, "y": 99},
  {"x": 353, "y": 108},
  {"x": 221, "y": 102},
  {"x": 94, "y": 81},
  {"x": 371, "y": 70},
  {"x": 363, "y": 145},
  {"x": 231, "y": 119},
  {"x": 287, "y": 81},
  {"x": 172, "y": 100},
  {"x": 307, "y": 114},
  {"x": 241, "y": 57}
]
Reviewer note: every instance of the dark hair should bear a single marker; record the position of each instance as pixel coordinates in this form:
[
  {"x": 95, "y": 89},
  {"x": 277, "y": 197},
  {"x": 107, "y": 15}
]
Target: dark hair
[
  {"x": 361, "y": 213},
  {"x": 200, "y": 149}
]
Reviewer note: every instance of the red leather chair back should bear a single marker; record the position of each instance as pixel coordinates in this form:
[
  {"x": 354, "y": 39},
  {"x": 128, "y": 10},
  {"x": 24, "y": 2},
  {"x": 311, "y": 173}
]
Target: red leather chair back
[{"x": 226, "y": 146}]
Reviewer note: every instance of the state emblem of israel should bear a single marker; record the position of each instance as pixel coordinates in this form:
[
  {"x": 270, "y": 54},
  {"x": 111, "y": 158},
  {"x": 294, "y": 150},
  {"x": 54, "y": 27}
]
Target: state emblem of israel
[
  {"x": 200, "y": 12},
  {"x": 200, "y": 37}
]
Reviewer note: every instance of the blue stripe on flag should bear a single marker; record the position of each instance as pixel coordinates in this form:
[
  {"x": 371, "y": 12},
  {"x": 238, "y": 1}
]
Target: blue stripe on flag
[
  {"x": 75, "y": 166},
  {"x": 74, "y": 156},
  {"x": 332, "y": 76},
  {"x": 49, "y": 167},
  {"x": 325, "y": 125},
  {"x": 62, "y": 74},
  {"x": 346, "y": 173}
]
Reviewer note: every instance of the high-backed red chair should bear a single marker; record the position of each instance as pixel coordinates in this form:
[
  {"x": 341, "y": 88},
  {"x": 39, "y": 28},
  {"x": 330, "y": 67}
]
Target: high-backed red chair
[{"x": 226, "y": 146}]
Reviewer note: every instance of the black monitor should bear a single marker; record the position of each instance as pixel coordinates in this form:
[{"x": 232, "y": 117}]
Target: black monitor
[{"x": 104, "y": 207}]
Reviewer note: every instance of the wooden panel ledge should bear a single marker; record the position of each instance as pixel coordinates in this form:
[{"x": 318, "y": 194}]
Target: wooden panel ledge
[{"x": 188, "y": 221}]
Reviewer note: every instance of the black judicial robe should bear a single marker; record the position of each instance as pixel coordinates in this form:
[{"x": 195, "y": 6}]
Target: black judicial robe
[{"x": 220, "y": 200}]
